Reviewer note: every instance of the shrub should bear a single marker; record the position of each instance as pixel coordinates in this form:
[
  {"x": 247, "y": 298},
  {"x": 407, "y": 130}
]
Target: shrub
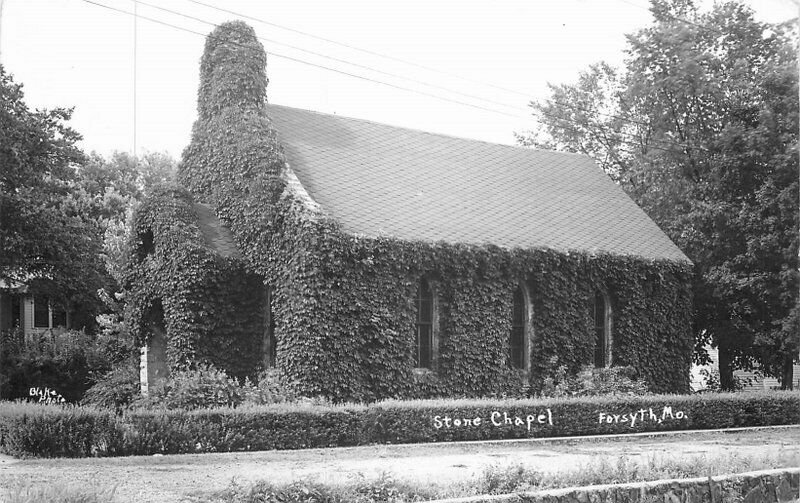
[
  {"x": 243, "y": 429},
  {"x": 58, "y": 431},
  {"x": 32, "y": 429},
  {"x": 267, "y": 389},
  {"x": 449, "y": 420},
  {"x": 116, "y": 389},
  {"x": 68, "y": 362},
  {"x": 591, "y": 381},
  {"x": 202, "y": 387}
]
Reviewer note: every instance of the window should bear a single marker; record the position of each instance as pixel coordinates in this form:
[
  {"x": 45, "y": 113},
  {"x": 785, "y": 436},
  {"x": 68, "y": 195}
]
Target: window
[
  {"x": 46, "y": 314},
  {"x": 518, "y": 323},
  {"x": 16, "y": 311},
  {"x": 41, "y": 312},
  {"x": 424, "y": 345},
  {"x": 601, "y": 312}
]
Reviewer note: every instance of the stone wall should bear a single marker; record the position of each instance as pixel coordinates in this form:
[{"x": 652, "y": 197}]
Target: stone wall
[{"x": 770, "y": 486}]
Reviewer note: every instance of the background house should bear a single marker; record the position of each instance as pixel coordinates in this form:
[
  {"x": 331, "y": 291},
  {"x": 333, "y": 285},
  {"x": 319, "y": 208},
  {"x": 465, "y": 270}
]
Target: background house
[
  {"x": 749, "y": 380},
  {"x": 31, "y": 313}
]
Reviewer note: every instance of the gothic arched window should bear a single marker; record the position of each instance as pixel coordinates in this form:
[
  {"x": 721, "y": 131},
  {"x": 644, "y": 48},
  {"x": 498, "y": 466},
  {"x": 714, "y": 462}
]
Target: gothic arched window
[
  {"x": 518, "y": 339},
  {"x": 424, "y": 348},
  {"x": 601, "y": 313}
]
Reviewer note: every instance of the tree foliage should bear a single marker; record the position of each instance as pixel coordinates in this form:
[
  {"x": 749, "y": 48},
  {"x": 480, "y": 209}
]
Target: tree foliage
[
  {"x": 700, "y": 128},
  {"x": 45, "y": 239},
  {"x": 109, "y": 191},
  {"x": 62, "y": 213},
  {"x": 111, "y": 186}
]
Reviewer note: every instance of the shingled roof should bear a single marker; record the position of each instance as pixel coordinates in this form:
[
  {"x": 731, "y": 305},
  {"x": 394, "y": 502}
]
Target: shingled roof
[{"x": 380, "y": 180}]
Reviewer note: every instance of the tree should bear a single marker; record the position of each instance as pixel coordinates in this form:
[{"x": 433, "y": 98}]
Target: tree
[
  {"x": 700, "y": 128},
  {"x": 45, "y": 241},
  {"x": 109, "y": 190}
]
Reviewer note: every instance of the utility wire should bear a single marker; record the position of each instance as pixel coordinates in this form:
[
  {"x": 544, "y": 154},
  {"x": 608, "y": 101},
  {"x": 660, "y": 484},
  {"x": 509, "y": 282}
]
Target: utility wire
[
  {"x": 402, "y": 88},
  {"x": 297, "y": 60},
  {"x": 406, "y": 62},
  {"x": 365, "y": 51},
  {"x": 338, "y": 60},
  {"x": 479, "y": 98}
]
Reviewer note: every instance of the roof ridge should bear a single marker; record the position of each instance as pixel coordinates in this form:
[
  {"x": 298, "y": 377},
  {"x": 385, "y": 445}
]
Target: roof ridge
[{"x": 430, "y": 133}]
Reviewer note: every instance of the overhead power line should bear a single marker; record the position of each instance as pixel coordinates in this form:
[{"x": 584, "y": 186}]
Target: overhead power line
[
  {"x": 388, "y": 84},
  {"x": 359, "y": 49},
  {"x": 323, "y": 67},
  {"x": 399, "y": 60},
  {"x": 339, "y": 60},
  {"x": 389, "y": 74}
]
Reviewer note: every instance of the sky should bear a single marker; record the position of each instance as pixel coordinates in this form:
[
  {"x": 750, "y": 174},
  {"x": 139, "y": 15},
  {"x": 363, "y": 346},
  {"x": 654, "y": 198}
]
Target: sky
[{"x": 133, "y": 80}]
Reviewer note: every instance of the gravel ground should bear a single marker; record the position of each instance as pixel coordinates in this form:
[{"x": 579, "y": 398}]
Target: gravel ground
[{"x": 174, "y": 478}]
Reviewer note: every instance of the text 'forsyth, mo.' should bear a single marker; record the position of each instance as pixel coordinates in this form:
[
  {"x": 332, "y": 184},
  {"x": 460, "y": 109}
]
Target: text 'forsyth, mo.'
[{"x": 642, "y": 416}]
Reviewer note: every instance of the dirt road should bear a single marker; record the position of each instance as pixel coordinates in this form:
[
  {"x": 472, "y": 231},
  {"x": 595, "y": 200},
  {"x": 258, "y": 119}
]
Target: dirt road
[{"x": 166, "y": 479}]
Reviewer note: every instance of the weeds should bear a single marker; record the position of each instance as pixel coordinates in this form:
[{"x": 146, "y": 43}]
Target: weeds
[
  {"x": 27, "y": 492},
  {"x": 498, "y": 480},
  {"x": 383, "y": 489},
  {"x": 504, "y": 480}
]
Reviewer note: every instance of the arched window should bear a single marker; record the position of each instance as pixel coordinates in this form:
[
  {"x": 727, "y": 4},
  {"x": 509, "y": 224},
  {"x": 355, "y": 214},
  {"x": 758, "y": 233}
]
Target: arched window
[
  {"x": 517, "y": 341},
  {"x": 601, "y": 312},
  {"x": 423, "y": 357}
]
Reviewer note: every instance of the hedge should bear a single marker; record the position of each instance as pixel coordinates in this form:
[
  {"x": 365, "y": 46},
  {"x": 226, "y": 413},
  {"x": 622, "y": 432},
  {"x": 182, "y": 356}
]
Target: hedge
[{"x": 70, "y": 431}]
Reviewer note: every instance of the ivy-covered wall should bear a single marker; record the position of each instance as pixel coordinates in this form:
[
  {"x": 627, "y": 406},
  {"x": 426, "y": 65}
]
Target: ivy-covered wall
[
  {"x": 211, "y": 308},
  {"x": 343, "y": 305},
  {"x": 352, "y": 311}
]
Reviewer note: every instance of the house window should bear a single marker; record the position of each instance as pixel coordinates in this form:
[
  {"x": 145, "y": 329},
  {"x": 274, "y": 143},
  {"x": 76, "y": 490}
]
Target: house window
[
  {"x": 41, "y": 312},
  {"x": 518, "y": 325},
  {"x": 601, "y": 312},
  {"x": 46, "y": 314},
  {"x": 424, "y": 346},
  {"x": 16, "y": 311}
]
